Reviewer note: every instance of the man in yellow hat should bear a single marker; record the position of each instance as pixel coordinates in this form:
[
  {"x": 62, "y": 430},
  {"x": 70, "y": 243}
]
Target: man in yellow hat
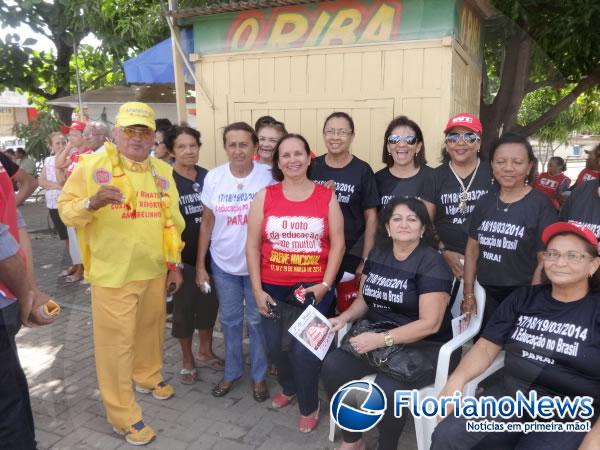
[{"x": 124, "y": 205}]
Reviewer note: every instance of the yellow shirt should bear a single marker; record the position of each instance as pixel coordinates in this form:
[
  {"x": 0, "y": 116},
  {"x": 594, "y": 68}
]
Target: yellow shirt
[{"x": 116, "y": 246}]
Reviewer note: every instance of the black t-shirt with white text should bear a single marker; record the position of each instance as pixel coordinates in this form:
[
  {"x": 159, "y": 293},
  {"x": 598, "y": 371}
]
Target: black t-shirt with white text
[
  {"x": 355, "y": 190},
  {"x": 509, "y": 237},
  {"x": 191, "y": 209},
  {"x": 451, "y": 224},
  {"x": 583, "y": 206},
  {"x": 552, "y": 347},
  {"x": 392, "y": 288},
  {"x": 389, "y": 186}
]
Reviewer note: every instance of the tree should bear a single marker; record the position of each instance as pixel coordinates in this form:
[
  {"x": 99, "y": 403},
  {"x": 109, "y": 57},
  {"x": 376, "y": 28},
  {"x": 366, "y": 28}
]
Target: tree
[
  {"x": 532, "y": 45},
  {"x": 124, "y": 27}
]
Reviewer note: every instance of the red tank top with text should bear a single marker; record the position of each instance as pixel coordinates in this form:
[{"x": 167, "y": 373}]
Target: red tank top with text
[
  {"x": 549, "y": 184},
  {"x": 587, "y": 175},
  {"x": 295, "y": 237}
]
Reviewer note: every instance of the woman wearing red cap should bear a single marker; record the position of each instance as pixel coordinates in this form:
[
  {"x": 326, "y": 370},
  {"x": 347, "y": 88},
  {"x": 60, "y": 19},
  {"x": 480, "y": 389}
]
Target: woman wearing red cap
[
  {"x": 64, "y": 164},
  {"x": 564, "y": 316},
  {"x": 505, "y": 228},
  {"x": 456, "y": 186}
]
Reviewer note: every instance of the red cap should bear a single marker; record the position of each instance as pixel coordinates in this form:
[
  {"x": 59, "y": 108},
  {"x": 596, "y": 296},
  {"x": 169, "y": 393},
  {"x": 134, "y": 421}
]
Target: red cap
[
  {"x": 464, "y": 120},
  {"x": 569, "y": 227},
  {"x": 77, "y": 125}
]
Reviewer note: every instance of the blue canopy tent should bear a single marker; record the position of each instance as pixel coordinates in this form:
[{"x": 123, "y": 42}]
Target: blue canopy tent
[{"x": 155, "y": 65}]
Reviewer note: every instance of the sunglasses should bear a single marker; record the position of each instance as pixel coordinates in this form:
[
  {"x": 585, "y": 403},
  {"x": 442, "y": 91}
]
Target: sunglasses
[
  {"x": 395, "y": 139},
  {"x": 468, "y": 138},
  {"x": 142, "y": 133}
]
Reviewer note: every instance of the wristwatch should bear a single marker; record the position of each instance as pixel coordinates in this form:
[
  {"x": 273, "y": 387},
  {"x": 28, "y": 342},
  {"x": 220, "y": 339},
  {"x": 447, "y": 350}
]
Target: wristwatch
[
  {"x": 87, "y": 204},
  {"x": 388, "y": 339}
]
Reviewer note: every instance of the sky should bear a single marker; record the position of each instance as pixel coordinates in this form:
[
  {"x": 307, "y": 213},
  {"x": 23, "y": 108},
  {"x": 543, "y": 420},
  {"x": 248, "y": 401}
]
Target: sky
[{"x": 43, "y": 43}]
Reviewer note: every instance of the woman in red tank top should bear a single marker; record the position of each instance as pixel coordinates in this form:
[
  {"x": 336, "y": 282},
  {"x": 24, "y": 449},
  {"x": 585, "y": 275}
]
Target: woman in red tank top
[
  {"x": 554, "y": 182},
  {"x": 295, "y": 236}
]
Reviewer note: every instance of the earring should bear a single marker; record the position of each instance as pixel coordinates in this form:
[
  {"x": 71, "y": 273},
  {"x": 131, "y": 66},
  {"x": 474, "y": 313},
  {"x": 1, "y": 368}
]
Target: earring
[
  {"x": 422, "y": 235},
  {"x": 492, "y": 182},
  {"x": 526, "y": 181}
]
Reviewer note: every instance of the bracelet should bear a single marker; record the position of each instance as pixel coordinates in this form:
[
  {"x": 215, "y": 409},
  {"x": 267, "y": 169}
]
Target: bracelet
[
  {"x": 326, "y": 284},
  {"x": 173, "y": 267},
  {"x": 468, "y": 295}
]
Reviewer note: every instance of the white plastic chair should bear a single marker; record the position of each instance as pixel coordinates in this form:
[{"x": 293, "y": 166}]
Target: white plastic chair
[{"x": 424, "y": 426}]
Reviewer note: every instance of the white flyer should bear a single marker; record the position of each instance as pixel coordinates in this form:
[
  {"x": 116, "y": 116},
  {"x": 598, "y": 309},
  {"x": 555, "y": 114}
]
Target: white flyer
[{"x": 312, "y": 329}]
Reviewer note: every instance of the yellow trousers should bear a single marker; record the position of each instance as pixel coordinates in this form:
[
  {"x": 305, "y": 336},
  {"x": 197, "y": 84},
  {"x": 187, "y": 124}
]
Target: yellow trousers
[{"x": 129, "y": 329}]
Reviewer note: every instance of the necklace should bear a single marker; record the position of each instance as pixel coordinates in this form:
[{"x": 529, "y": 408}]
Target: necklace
[
  {"x": 505, "y": 208},
  {"x": 507, "y": 205},
  {"x": 240, "y": 182},
  {"x": 464, "y": 191}
]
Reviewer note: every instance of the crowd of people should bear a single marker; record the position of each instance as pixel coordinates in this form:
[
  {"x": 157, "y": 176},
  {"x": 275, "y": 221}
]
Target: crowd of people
[{"x": 275, "y": 229}]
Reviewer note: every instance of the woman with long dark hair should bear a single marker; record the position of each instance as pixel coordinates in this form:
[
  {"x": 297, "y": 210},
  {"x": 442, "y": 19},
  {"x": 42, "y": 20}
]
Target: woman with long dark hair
[
  {"x": 295, "y": 241},
  {"x": 405, "y": 286},
  {"x": 406, "y": 171},
  {"x": 456, "y": 186}
]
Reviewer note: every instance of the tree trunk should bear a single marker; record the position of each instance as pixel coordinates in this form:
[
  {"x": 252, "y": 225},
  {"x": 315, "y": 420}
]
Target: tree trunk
[
  {"x": 64, "y": 52},
  {"x": 501, "y": 115},
  {"x": 64, "y": 113}
]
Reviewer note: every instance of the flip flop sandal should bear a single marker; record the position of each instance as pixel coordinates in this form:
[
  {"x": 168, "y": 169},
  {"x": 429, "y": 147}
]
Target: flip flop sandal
[
  {"x": 68, "y": 271},
  {"x": 73, "y": 278},
  {"x": 281, "y": 400},
  {"x": 212, "y": 363},
  {"x": 308, "y": 424},
  {"x": 188, "y": 376}
]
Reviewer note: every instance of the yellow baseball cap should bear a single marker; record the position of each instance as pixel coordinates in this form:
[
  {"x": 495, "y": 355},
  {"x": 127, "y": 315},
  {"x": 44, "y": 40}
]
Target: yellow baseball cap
[{"x": 135, "y": 113}]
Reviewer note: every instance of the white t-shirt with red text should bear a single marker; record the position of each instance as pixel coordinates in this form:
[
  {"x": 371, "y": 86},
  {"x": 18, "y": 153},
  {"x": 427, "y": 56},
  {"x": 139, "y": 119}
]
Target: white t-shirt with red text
[{"x": 229, "y": 200}]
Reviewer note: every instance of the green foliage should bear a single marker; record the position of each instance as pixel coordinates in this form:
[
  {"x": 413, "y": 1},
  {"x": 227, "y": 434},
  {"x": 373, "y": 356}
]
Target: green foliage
[
  {"x": 581, "y": 115},
  {"x": 124, "y": 28},
  {"x": 96, "y": 69},
  {"x": 558, "y": 91},
  {"x": 36, "y": 134}
]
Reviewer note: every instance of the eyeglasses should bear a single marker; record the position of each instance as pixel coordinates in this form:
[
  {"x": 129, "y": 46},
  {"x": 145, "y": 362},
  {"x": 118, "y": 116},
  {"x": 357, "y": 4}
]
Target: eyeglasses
[
  {"x": 157, "y": 143},
  {"x": 395, "y": 139},
  {"x": 142, "y": 133},
  {"x": 333, "y": 132},
  {"x": 571, "y": 256},
  {"x": 468, "y": 138}
]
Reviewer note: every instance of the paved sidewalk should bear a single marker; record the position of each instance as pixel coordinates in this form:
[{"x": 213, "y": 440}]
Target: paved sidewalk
[{"x": 59, "y": 363}]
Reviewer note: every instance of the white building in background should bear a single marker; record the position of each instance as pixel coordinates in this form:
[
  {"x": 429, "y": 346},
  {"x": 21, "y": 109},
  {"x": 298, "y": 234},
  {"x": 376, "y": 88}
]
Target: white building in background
[
  {"x": 573, "y": 152},
  {"x": 13, "y": 110}
]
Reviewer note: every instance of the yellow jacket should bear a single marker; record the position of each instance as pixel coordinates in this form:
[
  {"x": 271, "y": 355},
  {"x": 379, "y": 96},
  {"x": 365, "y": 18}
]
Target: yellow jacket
[{"x": 116, "y": 246}]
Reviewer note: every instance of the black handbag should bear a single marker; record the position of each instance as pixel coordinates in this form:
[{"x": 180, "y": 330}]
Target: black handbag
[
  {"x": 412, "y": 364},
  {"x": 289, "y": 309}
]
